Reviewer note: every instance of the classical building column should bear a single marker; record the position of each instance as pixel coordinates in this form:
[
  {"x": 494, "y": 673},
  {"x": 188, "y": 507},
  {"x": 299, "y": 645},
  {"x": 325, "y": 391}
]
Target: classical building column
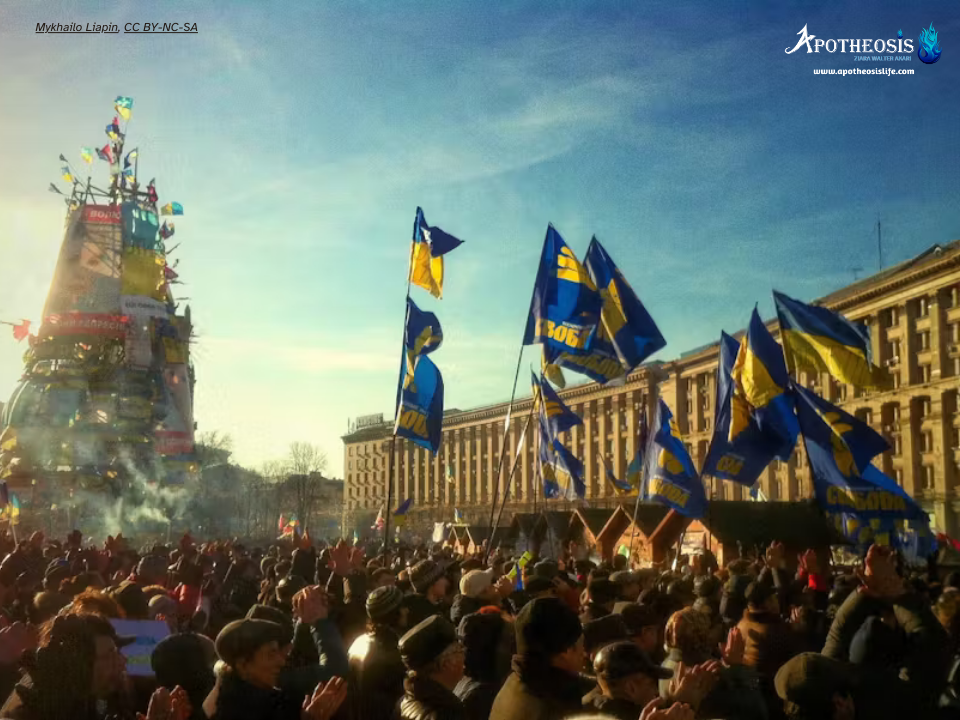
[
  {"x": 908, "y": 344},
  {"x": 457, "y": 474},
  {"x": 618, "y": 465},
  {"x": 491, "y": 431},
  {"x": 518, "y": 491},
  {"x": 589, "y": 451},
  {"x": 939, "y": 337},
  {"x": 633, "y": 422},
  {"x": 478, "y": 491},
  {"x": 417, "y": 482},
  {"x": 909, "y": 430},
  {"x": 468, "y": 450}
]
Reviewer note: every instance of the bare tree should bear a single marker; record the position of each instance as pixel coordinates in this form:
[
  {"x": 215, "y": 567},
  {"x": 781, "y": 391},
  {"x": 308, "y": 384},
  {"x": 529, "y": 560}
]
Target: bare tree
[
  {"x": 305, "y": 464},
  {"x": 213, "y": 447}
]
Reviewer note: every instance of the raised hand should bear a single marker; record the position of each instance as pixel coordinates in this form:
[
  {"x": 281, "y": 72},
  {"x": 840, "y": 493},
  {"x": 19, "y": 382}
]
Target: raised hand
[
  {"x": 340, "y": 559},
  {"x": 690, "y": 685},
  {"x": 311, "y": 604},
  {"x": 732, "y": 651},
  {"x": 809, "y": 562},
  {"x": 160, "y": 707},
  {"x": 325, "y": 701},
  {"x": 677, "y": 711},
  {"x": 504, "y": 586},
  {"x": 774, "y": 555}
]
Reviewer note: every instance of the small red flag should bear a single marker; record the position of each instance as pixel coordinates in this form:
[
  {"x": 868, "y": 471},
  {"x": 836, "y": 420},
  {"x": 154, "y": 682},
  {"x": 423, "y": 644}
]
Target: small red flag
[{"x": 22, "y": 330}]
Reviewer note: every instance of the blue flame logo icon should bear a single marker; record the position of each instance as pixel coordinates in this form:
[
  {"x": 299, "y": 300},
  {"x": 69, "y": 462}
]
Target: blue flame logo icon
[
  {"x": 929, "y": 50},
  {"x": 899, "y": 33}
]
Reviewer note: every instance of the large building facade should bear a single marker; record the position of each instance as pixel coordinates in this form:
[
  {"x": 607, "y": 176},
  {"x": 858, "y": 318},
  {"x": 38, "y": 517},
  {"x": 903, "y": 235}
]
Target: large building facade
[{"x": 913, "y": 312}]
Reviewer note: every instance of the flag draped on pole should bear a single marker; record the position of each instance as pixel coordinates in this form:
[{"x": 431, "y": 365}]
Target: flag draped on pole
[
  {"x": 819, "y": 340},
  {"x": 744, "y": 458},
  {"x": 760, "y": 390},
  {"x": 565, "y": 307},
  {"x": 430, "y": 244},
  {"x": 864, "y": 503},
  {"x": 419, "y": 414},
  {"x": 400, "y": 514},
  {"x": 670, "y": 477}
]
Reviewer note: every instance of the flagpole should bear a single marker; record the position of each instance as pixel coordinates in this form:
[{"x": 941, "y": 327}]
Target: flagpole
[
  {"x": 513, "y": 469},
  {"x": 636, "y": 507},
  {"x": 513, "y": 392},
  {"x": 396, "y": 413}
]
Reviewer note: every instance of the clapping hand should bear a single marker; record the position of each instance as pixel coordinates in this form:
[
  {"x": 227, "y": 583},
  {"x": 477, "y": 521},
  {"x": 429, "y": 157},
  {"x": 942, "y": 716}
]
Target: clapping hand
[
  {"x": 326, "y": 700},
  {"x": 311, "y": 605},
  {"x": 732, "y": 651},
  {"x": 677, "y": 711},
  {"x": 690, "y": 685}
]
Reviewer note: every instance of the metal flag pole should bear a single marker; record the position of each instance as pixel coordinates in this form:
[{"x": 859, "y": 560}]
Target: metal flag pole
[
  {"x": 513, "y": 469},
  {"x": 513, "y": 395},
  {"x": 643, "y": 472},
  {"x": 396, "y": 415}
]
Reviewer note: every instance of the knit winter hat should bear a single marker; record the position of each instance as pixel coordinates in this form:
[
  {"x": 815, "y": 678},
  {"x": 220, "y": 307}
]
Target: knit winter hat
[
  {"x": 383, "y": 601},
  {"x": 546, "y": 626}
]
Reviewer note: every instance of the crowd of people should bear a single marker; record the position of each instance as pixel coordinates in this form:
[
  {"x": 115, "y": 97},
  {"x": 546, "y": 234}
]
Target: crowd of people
[{"x": 308, "y": 631}]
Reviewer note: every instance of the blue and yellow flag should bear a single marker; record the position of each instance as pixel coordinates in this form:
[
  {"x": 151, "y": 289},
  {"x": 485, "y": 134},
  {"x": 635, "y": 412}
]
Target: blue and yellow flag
[
  {"x": 620, "y": 487},
  {"x": 14, "y": 510},
  {"x": 565, "y": 307},
  {"x": 172, "y": 208},
  {"x": 752, "y": 450},
  {"x": 400, "y": 514},
  {"x": 560, "y": 470},
  {"x": 419, "y": 415},
  {"x": 430, "y": 244},
  {"x": 627, "y": 326},
  {"x": 819, "y": 340},
  {"x": 550, "y": 369},
  {"x": 559, "y": 417},
  {"x": 421, "y": 336},
  {"x": 670, "y": 477},
  {"x": 840, "y": 448},
  {"x": 601, "y": 364},
  {"x": 66, "y": 174},
  {"x": 124, "y": 106},
  {"x": 113, "y": 130},
  {"x": 87, "y": 155},
  {"x": 761, "y": 390},
  {"x": 457, "y": 516},
  {"x": 635, "y": 468}
]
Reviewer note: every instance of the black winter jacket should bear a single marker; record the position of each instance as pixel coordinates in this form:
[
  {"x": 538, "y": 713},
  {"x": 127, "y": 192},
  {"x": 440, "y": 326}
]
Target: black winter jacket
[{"x": 424, "y": 699}]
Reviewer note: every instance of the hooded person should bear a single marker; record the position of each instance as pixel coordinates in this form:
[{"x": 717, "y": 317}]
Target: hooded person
[
  {"x": 488, "y": 642},
  {"x": 376, "y": 668},
  {"x": 434, "y": 658},
  {"x": 478, "y": 589},
  {"x": 545, "y": 682}
]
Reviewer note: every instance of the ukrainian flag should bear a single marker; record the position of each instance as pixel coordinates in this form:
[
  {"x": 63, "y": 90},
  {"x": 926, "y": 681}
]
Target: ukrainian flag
[
  {"x": 760, "y": 383},
  {"x": 819, "y": 340},
  {"x": 400, "y": 514},
  {"x": 620, "y": 487},
  {"x": 559, "y": 417},
  {"x": 430, "y": 244},
  {"x": 671, "y": 478}
]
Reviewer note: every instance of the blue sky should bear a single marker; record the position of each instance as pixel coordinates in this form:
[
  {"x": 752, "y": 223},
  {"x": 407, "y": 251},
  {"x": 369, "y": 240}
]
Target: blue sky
[{"x": 300, "y": 138}]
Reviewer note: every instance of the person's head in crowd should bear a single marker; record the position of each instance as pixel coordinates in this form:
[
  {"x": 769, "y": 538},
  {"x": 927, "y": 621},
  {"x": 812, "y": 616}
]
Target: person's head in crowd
[
  {"x": 683, "y": 591},
  {"x": 619, "y": 563},
  {"x": 815, "y": 687},
  {"x": 626, "y": 672},
  {"x": 470, "y": 564},
  {"x": 644, "y": 627},
  {"x": 479, "y": 585},
  {"x": 268, "y": 566},
  {"x": 733, "y": 602},
  {"x": 57, "y": 571},
  {"x": 628, "y": 584},
  {"x": 151, "y": 591},
  {"x": 130, "y": 597},
  {"x": 689, "y": 631},
  {"x": 947, "y": 610},
  {"x": 287, "y": 588},
  {"x": 163, "y": 607},
  {"x": 762, "y": 598},
  {"x": 282, "y": 568},
  {"x": 488, "y": 644},
  {"x": 77, "y": 664},
  {"x": 549, "y": 633},
  {"x": 94, "y": 602},
  {"x": 603, "y": 593},
  {"x": 537, "y": 587},
  {"x": 386, "y": 609},
  {"x": 151, "y": 570},
  {"x": 46, "y": 605},
  {"x": 187, "y": 660},
  {"x": 255, "y": 651},
  {"x": 877, "y": 644},
  {"x": 430, "y": 580},
  {"x": 601, "y": 632},
  {"x": 271, "y": 614},
  {"x": 430, "y": 650},
  {"x": 382, "y": 577}
]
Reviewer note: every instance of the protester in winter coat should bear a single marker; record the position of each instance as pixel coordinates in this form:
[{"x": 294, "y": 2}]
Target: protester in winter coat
[
  {"x": 545, "y": 683},
  {"x": 253, "y": 653},
  {"x": 434, "y": 660},
  {"x": 488, "y": 643},
  {"x": 376, "y": 669},
  {"x": 186, "y": 660},
  {"x": 478, "y": 589},
  {"x": 602, "y": 595}
]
